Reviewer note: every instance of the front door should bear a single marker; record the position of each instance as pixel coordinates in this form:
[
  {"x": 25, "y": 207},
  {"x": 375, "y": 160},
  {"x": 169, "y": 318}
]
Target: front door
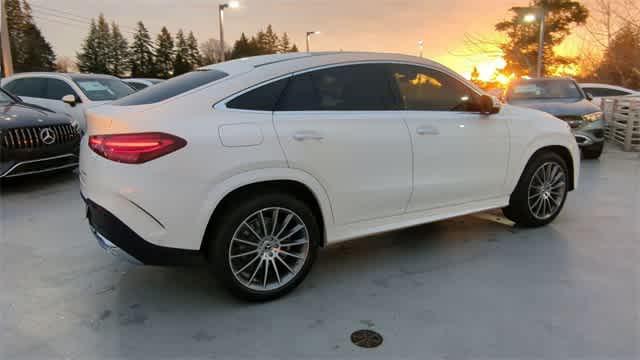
[{"x": 459, "y": 154}]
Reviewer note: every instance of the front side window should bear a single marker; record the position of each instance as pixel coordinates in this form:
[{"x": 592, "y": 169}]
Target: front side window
[
  {"x": 57, "y": 89},
  {"x": 424, "y": 89},
  {"x": 29, "y": 87},
  {"x": 137, "y": 86},
  {"x": 173, "y": 87},
  {"x": 103, "y": 89},
  {"x": 361, "y": 87}
]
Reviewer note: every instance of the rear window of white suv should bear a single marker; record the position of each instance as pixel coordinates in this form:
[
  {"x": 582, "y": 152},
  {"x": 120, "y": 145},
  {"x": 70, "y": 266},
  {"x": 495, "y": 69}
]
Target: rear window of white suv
[{"x": 172, "y": 87}]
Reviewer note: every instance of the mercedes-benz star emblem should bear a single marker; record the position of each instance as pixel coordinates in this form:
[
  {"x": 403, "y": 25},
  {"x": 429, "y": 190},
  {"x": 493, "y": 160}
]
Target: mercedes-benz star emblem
[{"x": 47, "y": 136}]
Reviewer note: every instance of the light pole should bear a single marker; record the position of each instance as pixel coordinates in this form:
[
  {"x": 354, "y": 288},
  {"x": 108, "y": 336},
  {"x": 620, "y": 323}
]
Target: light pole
[
  {"x": 529, "y": 18},
  {"x": 309, "y": 33},
  {"x": 421, "y": 46},
  {"x": 7, "y": 62},
  {"x": 221, "y": 7}
]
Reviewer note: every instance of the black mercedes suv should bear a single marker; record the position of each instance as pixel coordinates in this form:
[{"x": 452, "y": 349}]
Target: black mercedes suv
[{"x": 34, "y": 139}]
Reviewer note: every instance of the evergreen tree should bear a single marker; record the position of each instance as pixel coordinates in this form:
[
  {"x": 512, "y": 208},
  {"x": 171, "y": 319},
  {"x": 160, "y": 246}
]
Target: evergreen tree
[
  {"x": 285, "y": 44},
  {"x": 103, "y": 44},
  {"x": 89, "y": 55},
  {"x": 142, "y": 61},
  {"x": 181, "y": 63},
  {"x": 270, "y": 42},
  {"x": 194, "y": 52},
  {"x": 294, "y": 49},
  {"x": 241, "y": 48},
  {"x": 119, "y": 52},
  {"x": 29, "y": 49},
  {"x": 164, "y": 54}
]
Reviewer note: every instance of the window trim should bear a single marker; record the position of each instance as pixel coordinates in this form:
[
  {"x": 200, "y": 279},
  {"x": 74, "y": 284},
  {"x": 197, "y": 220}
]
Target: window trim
[{"x": 222, "y": 104}]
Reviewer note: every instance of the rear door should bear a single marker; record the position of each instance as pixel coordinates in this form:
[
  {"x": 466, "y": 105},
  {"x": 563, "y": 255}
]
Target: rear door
[{"x": 341, "y": 125}]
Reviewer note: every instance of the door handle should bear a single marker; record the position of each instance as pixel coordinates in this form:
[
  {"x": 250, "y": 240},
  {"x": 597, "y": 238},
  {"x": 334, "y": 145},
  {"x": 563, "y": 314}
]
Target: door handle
[
  {"x": 307, "y": 135},
  {"x": 427, "y": 130}
]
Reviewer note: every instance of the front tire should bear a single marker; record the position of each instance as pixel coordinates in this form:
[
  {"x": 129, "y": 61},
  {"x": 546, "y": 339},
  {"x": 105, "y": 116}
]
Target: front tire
[
  {"x": 265, "y": 246},
  {"x": 541, "y": 191}
]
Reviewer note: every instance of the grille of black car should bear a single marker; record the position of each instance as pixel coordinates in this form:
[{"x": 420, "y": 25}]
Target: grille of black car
[{"x": 31, "y": 137}]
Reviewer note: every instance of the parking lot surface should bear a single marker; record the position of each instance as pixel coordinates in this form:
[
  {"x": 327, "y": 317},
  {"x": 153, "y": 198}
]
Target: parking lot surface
[{"x": 465, "y": 288}]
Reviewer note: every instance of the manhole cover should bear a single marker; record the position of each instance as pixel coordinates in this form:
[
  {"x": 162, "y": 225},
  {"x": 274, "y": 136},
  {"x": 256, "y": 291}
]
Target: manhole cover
[{"x": 366, "y": 338}]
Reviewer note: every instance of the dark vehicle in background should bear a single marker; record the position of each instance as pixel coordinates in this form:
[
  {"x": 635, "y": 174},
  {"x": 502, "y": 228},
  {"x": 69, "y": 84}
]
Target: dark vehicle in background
[
  {"x": 564, "y": 99},
  {"x": 34, "y": 139}
]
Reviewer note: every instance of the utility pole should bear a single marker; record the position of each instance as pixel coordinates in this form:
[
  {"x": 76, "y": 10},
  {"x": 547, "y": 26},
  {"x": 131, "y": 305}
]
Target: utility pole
[
  {"x": 7, "y": 62},
  {"x": 541, "y": 44}
]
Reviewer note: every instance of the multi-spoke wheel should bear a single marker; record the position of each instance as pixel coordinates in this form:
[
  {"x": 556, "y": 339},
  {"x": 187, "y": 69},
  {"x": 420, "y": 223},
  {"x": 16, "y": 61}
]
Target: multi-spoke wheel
[
  {"x": 541, "y": 191},
  {"x": 265, "y": 246}
]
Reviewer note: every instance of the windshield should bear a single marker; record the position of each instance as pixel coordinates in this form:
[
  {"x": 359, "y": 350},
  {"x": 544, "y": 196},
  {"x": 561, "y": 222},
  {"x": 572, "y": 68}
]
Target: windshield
[
  {"x": 544, "y": 89},
  {"x": 4, "y": 98},
  {"x": 103, "y": 89}
]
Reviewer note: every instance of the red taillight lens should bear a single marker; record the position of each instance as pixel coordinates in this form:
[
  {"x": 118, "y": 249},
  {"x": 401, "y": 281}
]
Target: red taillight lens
[{"x": 135, "y": 148}]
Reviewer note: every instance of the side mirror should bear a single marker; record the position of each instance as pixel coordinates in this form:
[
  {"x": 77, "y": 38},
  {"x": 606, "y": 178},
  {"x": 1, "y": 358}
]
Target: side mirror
[
  {"x": 489, "y": 105},
  {"x": 589, "y": 96},
  {"x": 70, "y": 99}
]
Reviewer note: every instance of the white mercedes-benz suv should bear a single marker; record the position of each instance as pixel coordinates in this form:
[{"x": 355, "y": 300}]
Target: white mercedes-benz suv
[{"x": 251, "y": 165}]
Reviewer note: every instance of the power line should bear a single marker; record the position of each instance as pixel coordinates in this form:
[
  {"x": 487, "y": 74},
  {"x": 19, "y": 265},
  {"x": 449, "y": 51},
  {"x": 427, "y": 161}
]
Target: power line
[{"x": 71, "y": 16}]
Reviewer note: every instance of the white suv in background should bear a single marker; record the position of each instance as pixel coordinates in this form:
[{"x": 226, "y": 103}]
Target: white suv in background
[
  {"x": 599, "y": 91},
  {"x": 251, "y": 165},
  {"x": 64, "y": 93}
]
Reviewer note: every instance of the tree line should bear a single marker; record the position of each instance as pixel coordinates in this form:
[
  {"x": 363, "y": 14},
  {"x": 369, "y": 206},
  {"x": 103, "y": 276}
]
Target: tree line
[{"x": 106, "y": 51}]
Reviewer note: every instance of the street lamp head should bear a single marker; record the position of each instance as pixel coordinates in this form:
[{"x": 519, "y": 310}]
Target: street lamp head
[
  {"x": 529, "y": 18},
  {"x": 313, "y": 33}
]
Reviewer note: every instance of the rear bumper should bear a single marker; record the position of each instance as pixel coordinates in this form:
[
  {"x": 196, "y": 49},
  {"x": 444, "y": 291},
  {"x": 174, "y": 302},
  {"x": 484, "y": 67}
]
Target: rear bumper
[{"x": 118, "y": 239}]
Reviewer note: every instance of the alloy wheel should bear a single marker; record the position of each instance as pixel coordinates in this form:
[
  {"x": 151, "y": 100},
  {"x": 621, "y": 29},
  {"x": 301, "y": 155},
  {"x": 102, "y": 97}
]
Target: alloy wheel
[
  {"x": 268, "y": 249},
  {"x": 547, "y": 189}
]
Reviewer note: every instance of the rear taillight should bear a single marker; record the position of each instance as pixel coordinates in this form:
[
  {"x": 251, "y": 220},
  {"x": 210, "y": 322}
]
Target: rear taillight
[{"x": 135, "y": 148}]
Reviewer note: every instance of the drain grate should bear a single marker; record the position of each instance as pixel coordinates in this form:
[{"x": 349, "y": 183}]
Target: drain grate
[{"x": 366, "y": 339}]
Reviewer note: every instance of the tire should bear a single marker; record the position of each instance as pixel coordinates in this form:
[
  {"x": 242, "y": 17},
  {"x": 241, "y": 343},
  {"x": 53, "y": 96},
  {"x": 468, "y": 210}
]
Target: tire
[
  {"x": 546, "y": 169},
  {"x": 242, "y": 231},
  {"x": 594, "y": 151}
]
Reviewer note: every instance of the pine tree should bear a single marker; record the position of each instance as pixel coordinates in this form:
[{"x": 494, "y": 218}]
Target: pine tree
[
  {"x": 164, "y": 54},
  {"x": 181, "y": 63},
  {"x": 270, "y": 41},
  {"x": 119, "y": 52},
  {"x": 142, "y": 61},
  {"x": 294, "y": 49},
  {"x": 89, "y": 55},
  {"x": 285, "y": 44},
  {"x": 194, "y": 52}
]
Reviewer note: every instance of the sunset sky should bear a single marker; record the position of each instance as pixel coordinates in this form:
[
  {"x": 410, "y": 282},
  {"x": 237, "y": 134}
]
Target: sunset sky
[{"x": 373, "y": 25}]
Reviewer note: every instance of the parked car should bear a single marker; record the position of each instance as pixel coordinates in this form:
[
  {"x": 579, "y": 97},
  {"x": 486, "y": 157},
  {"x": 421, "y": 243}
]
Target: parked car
[
  {"x": 69, "y": 94},
  {"x": 563, "y": 98},
  {"x": 599, "y": 91},
  {"x": 34, "y": 139},
  {"x": 277, "y": 155},
  {"x": 142, "y": 83}
]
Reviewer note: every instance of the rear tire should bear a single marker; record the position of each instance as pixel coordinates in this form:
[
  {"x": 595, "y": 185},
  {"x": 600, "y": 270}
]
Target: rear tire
[
  {"x": 593, "y": 151},
  {"x": 277, "y": 232},
  {"x": 541, "y": 191}
]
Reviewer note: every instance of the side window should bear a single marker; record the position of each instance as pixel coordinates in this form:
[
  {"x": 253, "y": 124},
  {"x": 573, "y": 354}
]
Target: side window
[
  {"x": 29, "y": 87},
  {"x": 362, "y": 87},
  {"x": 263, "y": 98},
  {"x": 430, "y": 90},
  {"x": 136, "y": 85},
  {"x": 57, "y": 89},
  {"x": 601, "y": 92}
]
